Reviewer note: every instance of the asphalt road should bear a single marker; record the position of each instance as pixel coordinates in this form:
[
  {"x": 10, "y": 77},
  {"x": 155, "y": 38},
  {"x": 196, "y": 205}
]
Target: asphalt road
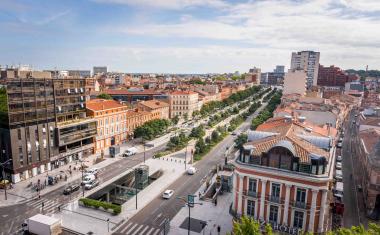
[
  {"x": 13, "y": 216},
  {"x": 351, "y": 214},
  {"x": 151, "y": 217}
]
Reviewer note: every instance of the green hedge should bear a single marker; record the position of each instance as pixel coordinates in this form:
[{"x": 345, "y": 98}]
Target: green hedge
[{"x": 95, "y": 203}]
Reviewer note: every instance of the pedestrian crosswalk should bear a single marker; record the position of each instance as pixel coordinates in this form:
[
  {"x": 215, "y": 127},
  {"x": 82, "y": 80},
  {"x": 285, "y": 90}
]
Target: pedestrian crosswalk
[
  {"x": 49, "y": 206},
  {"x": 131, "y": 228}
]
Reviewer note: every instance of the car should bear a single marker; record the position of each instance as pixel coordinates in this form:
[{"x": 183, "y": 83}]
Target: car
[
  {"x": 340, "y": 139},
  {"x": 92, "y": 171},
  {"x": 356, "y": 115},
  {"x": 234, "y": 133},
  {"x": 87, "y": 179},
  {"x": 191, "y": 170},
  {"x": 91, "y": 184},
  {"x": 70, "y": 189},
  {"x": 339, "y": 158},
  {"x": 167, "y": 194},
  {"x": 339, "y": 145},
  {"x": 338, "y": 165}
]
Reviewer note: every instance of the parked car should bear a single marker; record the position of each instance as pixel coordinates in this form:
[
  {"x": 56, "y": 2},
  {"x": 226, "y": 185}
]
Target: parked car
[
  {"x": 234, "y": 133},
  {"x": 339, "y": 145},
  {"x": 92, "y": 171},
  {"x": 339, "y": 158},
  {"x": 70, "y": 189},
  {"x": 191, "y": 170},
  {"x": 91, "y": 184},
  {"x": 339, "y": 175},
  {"x": 168, "y": 193},
  {"x": 338, "y": 165}
]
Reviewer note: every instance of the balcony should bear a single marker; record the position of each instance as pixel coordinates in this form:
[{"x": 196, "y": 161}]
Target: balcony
[
  {"x": 250, "y": 193},
  {"x": 298, "y": 204},
  {"x": 274, "y": 199}
]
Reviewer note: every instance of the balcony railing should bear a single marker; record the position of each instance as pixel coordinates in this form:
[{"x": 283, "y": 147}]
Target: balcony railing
[
  {"x": 250, "y": 193},
  {"x": 274, "y": 199},
  {"x": 298, "y": 204}
]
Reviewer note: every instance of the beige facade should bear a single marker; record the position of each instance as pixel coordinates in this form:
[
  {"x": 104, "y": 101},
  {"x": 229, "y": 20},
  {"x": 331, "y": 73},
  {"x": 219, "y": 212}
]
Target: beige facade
[
  {"x": 158, "y": 108},
  {"x": 182, "y": 103},
  {"x": 309, "y": 62},
  {"x": 295, "y": 82},
  {"x": 281, "y": 178}
]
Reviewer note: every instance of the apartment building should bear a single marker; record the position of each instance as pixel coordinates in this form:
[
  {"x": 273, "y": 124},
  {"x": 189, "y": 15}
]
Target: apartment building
[
  {"x": 309, "y": 62},
  {"x": 182, "y": 103},
  {"x": 136, "y": 118},
  {"x": 282, "y": 176},
  {"x": 158, "y": 109},
  {"x": 111, "y": 118},
  {"x": 295, "y": 81},
  {"x": 46, "y": 124}
]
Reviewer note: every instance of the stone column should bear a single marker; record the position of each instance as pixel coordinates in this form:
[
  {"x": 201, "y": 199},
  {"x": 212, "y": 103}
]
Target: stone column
[
  {"x": 312, "y": 211},
  {"x": 322, "y": 212},
  {"x": 234, "y": 191},
  {"x": 240, "y": 200},
  {"x": 262, "y": 199},
  {"x": 286, "y": 208}
]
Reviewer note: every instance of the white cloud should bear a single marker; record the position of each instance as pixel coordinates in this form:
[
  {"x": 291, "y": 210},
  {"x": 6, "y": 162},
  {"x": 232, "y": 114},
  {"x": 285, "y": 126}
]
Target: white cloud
[
  {"x": 362, "y": 5},
  {"x": 286, "y": 25},
  {"x": 169, "y": 4}
]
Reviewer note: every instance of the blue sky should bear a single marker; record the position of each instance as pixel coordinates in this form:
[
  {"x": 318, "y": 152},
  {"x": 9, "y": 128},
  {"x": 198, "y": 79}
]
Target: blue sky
[{"x": 187, "y": 36}]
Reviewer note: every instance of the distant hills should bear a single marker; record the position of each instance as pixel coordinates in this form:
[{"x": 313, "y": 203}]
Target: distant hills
[{"x": 362, "y": 73}]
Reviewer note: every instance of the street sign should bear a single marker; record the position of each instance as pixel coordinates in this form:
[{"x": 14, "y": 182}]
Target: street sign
[{"x": 190, "y": 200}]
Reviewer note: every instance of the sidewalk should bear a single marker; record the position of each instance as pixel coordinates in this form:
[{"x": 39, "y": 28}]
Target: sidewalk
[
  {"x": 207, "y": 213},
  {"x": 96, "y": 221},
  {"x": 22, "y": 193}
]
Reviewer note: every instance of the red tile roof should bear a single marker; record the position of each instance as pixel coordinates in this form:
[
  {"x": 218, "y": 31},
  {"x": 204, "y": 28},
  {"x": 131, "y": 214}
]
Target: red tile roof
[
  {"x": 183, "y": 93},
  {"x": 126, "y": 92},
  {"x": 101, "y": 104},
  {"x": 154, "y": 104}
]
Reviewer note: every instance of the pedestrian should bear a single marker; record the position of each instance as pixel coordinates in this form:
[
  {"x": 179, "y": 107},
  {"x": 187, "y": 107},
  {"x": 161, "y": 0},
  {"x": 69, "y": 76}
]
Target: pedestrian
[
  {"x": 45, "y": 182},
  {"x": 218, "y": 228},
  {"x": 199, "y": 195},
  {"x": 216, "y": 201}
]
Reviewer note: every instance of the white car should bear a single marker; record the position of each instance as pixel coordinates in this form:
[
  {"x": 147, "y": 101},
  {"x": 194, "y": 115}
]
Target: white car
[
  {"x": 88, "y": 179},
  {"x": 339, "y": 158},
  {"x": 339, "y": 145},
  {"x": 91, "y": 184},
  {"x": 92, "y": 171},
  {"x": 338, "y": 165},
  {"x": 191, "y": 170},
  {"x": 168, "y": 193}
]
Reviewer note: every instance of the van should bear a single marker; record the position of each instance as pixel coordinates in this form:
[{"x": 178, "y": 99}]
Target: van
[
  {"x": 130, "y": 152},
  {"x": 338, "y": 190}
]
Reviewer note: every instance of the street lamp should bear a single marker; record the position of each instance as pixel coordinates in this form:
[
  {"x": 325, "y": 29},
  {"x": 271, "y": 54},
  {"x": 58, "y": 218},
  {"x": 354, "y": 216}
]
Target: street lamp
[
  {"x": 190, "y": 203},
  {"x": 3, "y": 173},
  {"x": 82, "y": 169}
]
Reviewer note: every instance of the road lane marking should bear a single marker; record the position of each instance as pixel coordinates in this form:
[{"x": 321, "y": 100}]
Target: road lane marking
[
  {"x": 126, "y": 227},
  {"x": 144, "y": 229},
  {"x": 131, "y": 228},
  {"x": 137, "y": 229},
  {"x": 156, "y": 231},
  {"x": 150, "y": 230},
  {"x": 10, "y": 228}
]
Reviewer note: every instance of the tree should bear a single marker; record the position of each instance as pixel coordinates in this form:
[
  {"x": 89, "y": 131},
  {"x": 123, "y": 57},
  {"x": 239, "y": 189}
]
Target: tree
[
  {"x": 175, "y": 120},
  {"x": 247, "y": 225},
  {"x": 105, "y": 96},
  {"x": 214, "y": 136},
  {"x": 200, "y": 146},
  {"x": 197, "y": 132},
  {"x": 186, "y": 116},
  {"x": 241, "y": 140}
]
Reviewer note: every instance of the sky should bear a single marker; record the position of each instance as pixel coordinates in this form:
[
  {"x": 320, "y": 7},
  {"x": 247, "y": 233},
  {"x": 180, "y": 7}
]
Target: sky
[{"x": 187, "y": 36}]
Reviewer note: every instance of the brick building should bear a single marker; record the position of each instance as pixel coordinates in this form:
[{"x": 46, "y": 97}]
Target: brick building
[
  {"x": 333, "y": 76},
  {"x": 111, "y": 122}
]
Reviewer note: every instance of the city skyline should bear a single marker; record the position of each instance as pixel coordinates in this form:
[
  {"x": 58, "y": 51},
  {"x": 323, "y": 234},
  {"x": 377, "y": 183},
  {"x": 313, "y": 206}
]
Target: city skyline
[{"x": 177, "y": 36}]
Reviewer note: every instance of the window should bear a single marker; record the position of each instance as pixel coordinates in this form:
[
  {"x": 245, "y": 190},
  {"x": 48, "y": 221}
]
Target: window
[
  {"x": 273, "y": 214},
  {"x": 251, "y": 208},
  {"x": 19, "y": 134},
  {"x": 276, "y": 190},
  {"x": 298, "y": 219},
  {"x": 301, "y": 195},
  {"x": 252, "y": 185}
]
